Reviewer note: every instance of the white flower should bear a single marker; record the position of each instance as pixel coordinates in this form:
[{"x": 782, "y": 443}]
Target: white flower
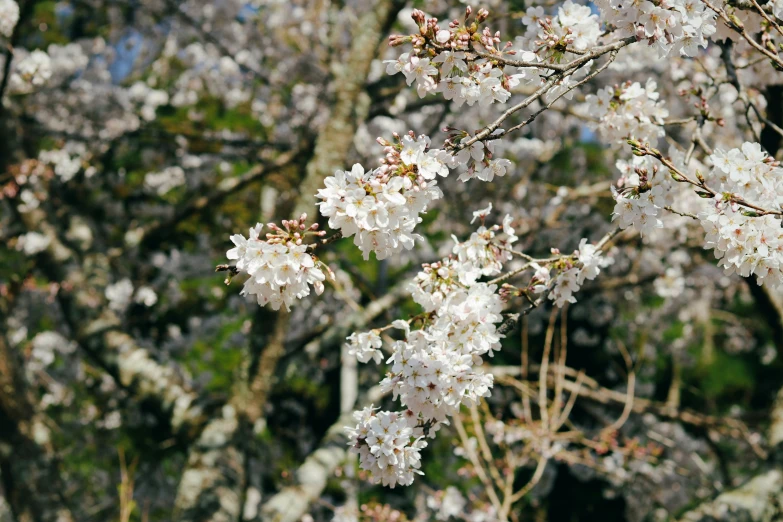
[
  {"x": 591, "y": 260},
  {"x": 413, "y": 149},
  {"x": 481, "y": 214},
  {"x": 280, "y": 270},
  {"x": 570, "y": 279},
  {"x": 9, "y": 16},
  {"x": 165, "y": 180},
  {"x": 32, "y": 243},
  {"x": 674, "y": 26},
  {"x": 451, "y": 60},
  {"x": 386, "y": 447},
  {"x": 509, "y": 230},
  {"x": 494, "y": 168},
  {"x": 146, "y": 296},
  {"x": 119, "y": 294},
  {"x": 380, "y": 211},
  {"x": 443, "y": 36},
  {"x": 67, "y": 161},
  {"x": 450, "y": 504},
  {"x": 743, "y": 242},
  {"x": 628, "y": 111},
  {"x": 641, "y": 210},
  {"x": 32, "y": 71},
  {"x": 398, "y": 65},
  {"x": 366, "y": 346},
  {"x": 419, "y": 70}
]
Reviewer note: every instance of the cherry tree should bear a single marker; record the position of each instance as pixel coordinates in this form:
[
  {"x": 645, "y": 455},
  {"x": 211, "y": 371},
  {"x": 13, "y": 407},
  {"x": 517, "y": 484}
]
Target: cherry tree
[{"x": 555, "y": 229}]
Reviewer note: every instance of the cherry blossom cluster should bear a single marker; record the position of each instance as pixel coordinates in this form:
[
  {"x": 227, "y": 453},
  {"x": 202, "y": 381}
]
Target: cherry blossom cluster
[
  {"x": 30, "y": 72},
  {"x": 478, "y": 158},
  {"x": 32, "y": 243},
  {"x": 9, "y": 16},
  {"x": 746, "y": 241},
  {"x": 641, "y": 194},
  {"x": 165, "y": 180},
  {"x": 365, "y": 346},
  {"x": 671, "y": 26},
  {"x": 574, "y": 27},
  {"x": 628, "y": 110},
  {"x": 148, "y": 98},
  {"x": 482, "y": 254},
  {"x": 386, "y": 447},
  {"x": 380, "y": 208},
  {"x": 444, "y": 61},
  {"x": 436, "y": 281},
  {"x": 435, "y": 369},
  {"x": 281, "y": 267},
  {"x": 67, "y": 161},
  {"x": 207, "y": 72},
  {"x": 585, "y": 264}
]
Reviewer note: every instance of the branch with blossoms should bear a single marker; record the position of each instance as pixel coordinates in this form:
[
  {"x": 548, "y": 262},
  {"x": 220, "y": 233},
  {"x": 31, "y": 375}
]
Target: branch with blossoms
[
  {"x": 435, "y": 360},
  {"x": 705, "y": 191},
  {"x": 735, "y": 24}
]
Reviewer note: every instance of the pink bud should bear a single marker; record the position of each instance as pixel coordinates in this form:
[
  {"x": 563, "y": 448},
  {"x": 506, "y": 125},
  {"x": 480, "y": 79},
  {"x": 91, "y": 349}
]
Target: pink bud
[{"x": 640, "y": 34}]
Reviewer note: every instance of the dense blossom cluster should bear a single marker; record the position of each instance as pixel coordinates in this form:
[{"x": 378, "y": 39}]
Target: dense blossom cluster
[
  {"x": 119, "y": 294},
  {"x": 572, "y": 275},
  {"x": 31, "y": 72},
  {"x": 436, "y": 369},
  {"x": 745, "y": 241},
  {"x": 629, "y": 110},
  {"x": 482, "y": 254},
  {"x": 281, "y": 268},
  {"x": 32, "y": 243},
  {"x": 434, "y": 366},
  {"x": 641, "y": 195},
  {"x": 165, "y": 180},
  {"x": 444, "y": 61},
  {"x": 9, "y": 16},
  {"x": 67, "y": 161},
  {"x": 478, "y": 158},
  {"x": 365, "y": 346},
  {"x": 574, "y": 27},
  {"x": 433, "y": 371},
  {"x": 386, "y": 447},
  {"x": 380, "y": 208},
  {"x": 674, "y": 26},
  {"x": 148, "y": 99}
]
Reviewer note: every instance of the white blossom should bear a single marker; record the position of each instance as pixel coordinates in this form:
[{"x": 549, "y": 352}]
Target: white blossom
[
  {"x": 743, "y": 241},
  {"x": 281, "y": 269},
  {"x": 570, "y": 279},
  {"x": 146, "y": 295},
  {"x": 9, "y": 16},
  {"x": 31, "y": 72},
  {"x": 378, "y": 208},
  {"x": 33, "y": 243},
  {"x": 165, "y": 180},
  {"x": 386, "y": 447},
  {"x": 365, "y": 346},
  {"x": 628, "y": 111},
  {"x": 119, "y": 294}
]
